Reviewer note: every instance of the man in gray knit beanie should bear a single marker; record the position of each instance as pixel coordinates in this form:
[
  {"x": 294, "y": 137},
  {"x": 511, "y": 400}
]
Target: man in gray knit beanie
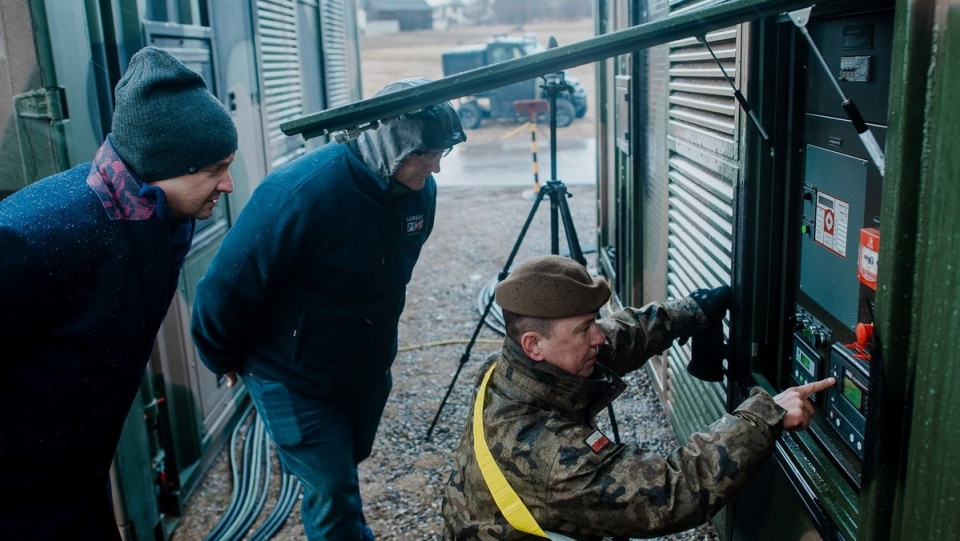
[
  {"x": 166, "y": 122},
  {"x": 92, "y": 260}
]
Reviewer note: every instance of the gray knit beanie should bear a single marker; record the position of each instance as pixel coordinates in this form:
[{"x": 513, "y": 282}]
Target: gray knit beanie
[
  {"x": 166, "y": 123},
  {"x": 551, "y": 286}
]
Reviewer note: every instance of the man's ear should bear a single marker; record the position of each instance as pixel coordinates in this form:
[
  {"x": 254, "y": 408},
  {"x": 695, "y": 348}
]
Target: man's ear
[{"x": 530, "y": 342}]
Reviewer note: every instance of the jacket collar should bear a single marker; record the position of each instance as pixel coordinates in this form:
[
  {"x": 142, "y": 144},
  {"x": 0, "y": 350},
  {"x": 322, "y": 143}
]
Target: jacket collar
[
  {"x": 123, "y": 195},
  {"x": 570, "y": 394}
]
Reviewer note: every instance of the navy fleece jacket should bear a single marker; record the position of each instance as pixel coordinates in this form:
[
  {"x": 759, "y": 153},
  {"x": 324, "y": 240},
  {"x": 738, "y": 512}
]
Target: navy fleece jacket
[
  {"x": 89, "y": 268},
  {"x": 310, "y": 282}
]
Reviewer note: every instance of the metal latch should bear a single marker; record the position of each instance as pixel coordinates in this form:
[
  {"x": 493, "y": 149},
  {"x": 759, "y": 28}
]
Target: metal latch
[{"x": 44, "y": 103}]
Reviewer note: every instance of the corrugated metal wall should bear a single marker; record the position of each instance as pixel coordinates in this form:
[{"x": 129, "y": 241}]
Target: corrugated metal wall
[
  {"x": 282, "y": 81},
  {"x": 703, "y": 169},
  {"x": 336, "y": 52},
  {"x": 654, "y": 179}
]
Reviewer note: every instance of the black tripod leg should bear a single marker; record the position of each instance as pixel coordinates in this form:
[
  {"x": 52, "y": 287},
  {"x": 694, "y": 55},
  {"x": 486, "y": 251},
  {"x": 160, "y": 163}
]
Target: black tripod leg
[
  {"x": 554, "y": 225},
  {"x": 486, "y": 310},
  {"x": 613, "y": 424},
  {"x": 558, "y": 203},
  {"x": 558, "y": 198},
  {"x": 576, "y": 253}
]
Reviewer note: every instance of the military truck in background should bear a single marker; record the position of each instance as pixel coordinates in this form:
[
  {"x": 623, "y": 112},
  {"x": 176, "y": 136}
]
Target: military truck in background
[{"x": 498, "y": 102}]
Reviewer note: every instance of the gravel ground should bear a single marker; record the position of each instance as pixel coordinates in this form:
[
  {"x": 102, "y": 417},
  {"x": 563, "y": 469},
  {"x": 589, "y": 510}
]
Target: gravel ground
[{"x": 402, "y": 482}]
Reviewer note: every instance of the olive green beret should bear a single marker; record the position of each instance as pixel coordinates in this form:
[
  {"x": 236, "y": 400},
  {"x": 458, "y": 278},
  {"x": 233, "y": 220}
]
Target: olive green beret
[{"x": 551, "y": 286}]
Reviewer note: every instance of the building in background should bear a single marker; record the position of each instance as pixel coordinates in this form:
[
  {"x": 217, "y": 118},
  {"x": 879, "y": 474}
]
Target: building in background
[{"x": 405, "y": 15}]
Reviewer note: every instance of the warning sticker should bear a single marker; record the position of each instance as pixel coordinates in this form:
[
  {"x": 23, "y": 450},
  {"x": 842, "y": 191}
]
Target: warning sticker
[{"x": 833, "y": 216}]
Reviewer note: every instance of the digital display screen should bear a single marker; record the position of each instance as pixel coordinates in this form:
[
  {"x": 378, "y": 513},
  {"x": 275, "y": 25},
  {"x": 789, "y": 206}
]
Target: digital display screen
[
  {"x": 805, "y": 361},
  {"x": 853, "y": 391},
  {"x": 826, "y": 202}
]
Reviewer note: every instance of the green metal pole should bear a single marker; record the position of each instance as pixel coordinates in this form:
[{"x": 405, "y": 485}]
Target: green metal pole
[
  {"x": 699, "y": 21},
  {"x": 912, "y": 477}
]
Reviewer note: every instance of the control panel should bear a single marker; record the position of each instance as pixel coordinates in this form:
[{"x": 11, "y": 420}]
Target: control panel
[
  {"x": 846, "y": 408},
  {"x": 839, "y": 228},
  {"x": 805, "y": 363}
]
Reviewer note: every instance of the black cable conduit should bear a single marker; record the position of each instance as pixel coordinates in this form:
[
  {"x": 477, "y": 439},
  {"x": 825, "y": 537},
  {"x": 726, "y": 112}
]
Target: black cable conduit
[{"x": 251, "y": 486}]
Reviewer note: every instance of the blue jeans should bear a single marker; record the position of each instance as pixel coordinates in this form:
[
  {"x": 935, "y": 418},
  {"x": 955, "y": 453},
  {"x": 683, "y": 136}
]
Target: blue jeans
[{"x": 322, "y": 442}]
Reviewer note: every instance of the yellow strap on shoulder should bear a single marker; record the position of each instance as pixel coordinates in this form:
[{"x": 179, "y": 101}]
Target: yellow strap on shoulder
[{"x": 507, "y": 500}]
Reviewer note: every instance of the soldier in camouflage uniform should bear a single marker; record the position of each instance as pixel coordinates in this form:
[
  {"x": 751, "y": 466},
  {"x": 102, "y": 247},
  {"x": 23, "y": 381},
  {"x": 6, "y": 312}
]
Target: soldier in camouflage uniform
[{"x": 538, "y": 417}]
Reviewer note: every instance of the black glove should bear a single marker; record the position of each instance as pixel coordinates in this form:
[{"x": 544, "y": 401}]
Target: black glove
[
  {"x": 709, "y": 350},
  {"x": 714, "y": 302},
  {"x": 707, "y": 354}
]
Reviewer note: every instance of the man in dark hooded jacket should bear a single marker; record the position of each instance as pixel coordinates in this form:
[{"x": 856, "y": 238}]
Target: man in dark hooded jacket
[{"x": 303, "y": 299}]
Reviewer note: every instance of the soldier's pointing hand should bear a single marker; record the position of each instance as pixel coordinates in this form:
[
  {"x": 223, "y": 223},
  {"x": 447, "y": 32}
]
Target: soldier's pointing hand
[{"x": 799, "y": 409}]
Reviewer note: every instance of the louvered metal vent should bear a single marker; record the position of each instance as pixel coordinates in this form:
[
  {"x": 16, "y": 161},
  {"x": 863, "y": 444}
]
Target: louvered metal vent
[
  {"x": 702, "y": 108},
  {"x": 282, "y": 81},
  {"x": 336, "y": 55},
  {"x": 702, "y": 174}
]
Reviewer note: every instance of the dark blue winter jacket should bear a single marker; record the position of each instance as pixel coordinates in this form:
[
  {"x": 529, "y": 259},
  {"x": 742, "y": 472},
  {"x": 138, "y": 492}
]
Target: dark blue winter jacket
[
  {"x": 87, "y": 275},
  {"x": 310, "y": 282}
]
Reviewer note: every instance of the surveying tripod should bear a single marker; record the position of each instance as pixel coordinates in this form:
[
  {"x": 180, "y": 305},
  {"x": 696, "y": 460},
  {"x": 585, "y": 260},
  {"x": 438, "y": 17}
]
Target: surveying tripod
[{"x": 554, "y": 83}]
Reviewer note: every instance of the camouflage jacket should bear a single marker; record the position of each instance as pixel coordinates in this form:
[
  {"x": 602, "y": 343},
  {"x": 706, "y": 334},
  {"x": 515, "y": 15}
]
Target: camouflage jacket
[{"x": 538, "y": 421}]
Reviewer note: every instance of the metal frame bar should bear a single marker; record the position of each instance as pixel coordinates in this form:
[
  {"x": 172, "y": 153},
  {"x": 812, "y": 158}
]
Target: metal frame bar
[{"x": 705, "y": 18}]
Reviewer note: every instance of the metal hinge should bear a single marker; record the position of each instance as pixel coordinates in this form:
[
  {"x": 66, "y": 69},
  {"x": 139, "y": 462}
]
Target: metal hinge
[{"x": 44, "y": 103}]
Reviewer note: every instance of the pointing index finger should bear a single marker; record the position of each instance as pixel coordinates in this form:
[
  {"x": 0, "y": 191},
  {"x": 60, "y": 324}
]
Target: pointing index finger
[{"x": 815, "y": 386}]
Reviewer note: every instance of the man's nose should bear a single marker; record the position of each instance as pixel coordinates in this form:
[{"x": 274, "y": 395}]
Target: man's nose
[
  {"x": 226, "y": 185},
  {"x": 598, "y": 339}
]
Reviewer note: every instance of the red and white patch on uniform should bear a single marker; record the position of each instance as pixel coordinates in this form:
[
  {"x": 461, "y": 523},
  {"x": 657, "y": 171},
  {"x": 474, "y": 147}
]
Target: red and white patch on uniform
[{"x": 597, "y": 441}]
